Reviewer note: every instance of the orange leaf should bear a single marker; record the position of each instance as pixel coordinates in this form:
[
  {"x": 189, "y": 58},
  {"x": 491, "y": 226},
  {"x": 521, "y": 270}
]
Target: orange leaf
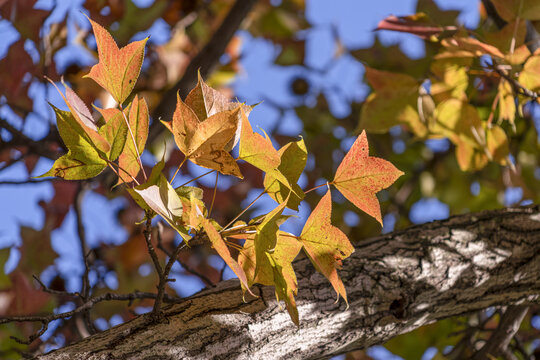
[
  {"x": 325, "y": 244},
  {"x": 360, "y": 176},
  {"x": 219, "y": 245},
  {"x": 138, "y": 122},
  {"x": 118, "y": 69}
]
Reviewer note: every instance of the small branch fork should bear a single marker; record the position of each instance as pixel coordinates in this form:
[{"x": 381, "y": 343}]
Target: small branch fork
[{"x": 516, "y": 85}]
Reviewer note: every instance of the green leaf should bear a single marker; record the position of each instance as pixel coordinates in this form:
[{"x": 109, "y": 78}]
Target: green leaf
[
  {"x": 293, "y": 160},
  {"x": 266, "y": 236},
  {"x": 275, "y": 269},
  {"x": 115, "y": 131},
  {"x": 82, "y": 160}
]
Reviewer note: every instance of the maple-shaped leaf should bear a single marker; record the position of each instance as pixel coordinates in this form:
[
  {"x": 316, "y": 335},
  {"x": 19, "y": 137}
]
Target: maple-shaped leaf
[
  {"x": 275, "y": 269},
  {"x": 394, "y": 101},
  {"x": 205, "y": 101},
  {"x": 158, "y": 195},
  {"x": 293, "y": 160},
  {"x": 82, "y": 160},
  {"x": 204, "y": 142},
  {"x": 221, "y": 247},
  {"x": 259, "y": 152},
  {"x": 117, "y": 69},
  {"x": 138, "y": 123},
  {"x": 360, "y": 176},
  {"x": 115, "y": 131},
  {"x": 84, "y": 118},
  {"x": 326, "y": 245}
]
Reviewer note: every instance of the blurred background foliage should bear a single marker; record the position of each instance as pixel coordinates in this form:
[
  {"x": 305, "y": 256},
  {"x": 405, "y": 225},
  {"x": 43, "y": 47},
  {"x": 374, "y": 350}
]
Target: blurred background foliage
[{"x": 312, "y": 65}]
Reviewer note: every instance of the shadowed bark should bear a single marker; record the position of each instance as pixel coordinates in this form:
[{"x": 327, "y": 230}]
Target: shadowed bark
[{"x": 395, "y": 283}]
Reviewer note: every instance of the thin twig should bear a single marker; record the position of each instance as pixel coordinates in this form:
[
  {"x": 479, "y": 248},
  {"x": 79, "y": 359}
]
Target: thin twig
[
  {"x": 184, "y": 265},
  {"x": 164, "y": 278},
  {"x": 516, "y": 85},
  {"x": 150, "y": 247},
  {"x": 197, "y": 178},
  {"x": 86, "y": 306},
  {"x": 243, "y": 211}
]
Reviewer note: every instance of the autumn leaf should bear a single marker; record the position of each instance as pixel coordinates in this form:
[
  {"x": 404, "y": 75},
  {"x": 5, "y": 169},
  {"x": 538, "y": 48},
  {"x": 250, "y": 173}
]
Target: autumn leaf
[
  {"x": 115, "y": 131},
  {"x": 326, "y": 245},
  {"x": 82, "y": 160},
  {"x": 118, "y": 69},
  {"x": 394, "y": 102},
  {"x": 293, "y": 160},
  {"x": 360, "y": 176},
  {"x": 259, "y": 152},
  {"x": 158, "y": 195},
  {"x": 84, "y": 118},
  {"x": 221, "y": 247},
  {"x": 205, "y": 101},
  {"x": 204, "y": 142},
  {"x": 193, "y": 205},
  {"x": 266, "y": 236},
  {"x": 275, "y": 269},
  {"x": 138, "y": 123}
]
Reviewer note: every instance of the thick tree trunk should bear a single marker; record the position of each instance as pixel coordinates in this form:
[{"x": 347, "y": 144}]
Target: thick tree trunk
[{"x": 395, "y": 283}]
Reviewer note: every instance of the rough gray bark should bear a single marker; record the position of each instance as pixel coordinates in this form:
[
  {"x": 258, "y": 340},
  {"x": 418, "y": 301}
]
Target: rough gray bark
[{"x": 395, "y": 283}]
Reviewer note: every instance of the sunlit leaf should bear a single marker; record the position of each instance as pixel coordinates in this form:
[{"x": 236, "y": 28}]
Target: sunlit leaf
[
  {"x": 117, "y": 69},
  {"x": 293, "y": 160},
  {"x": 159, "y": 196},
  {"x": 325, "y": 244},
  {"x": 138, "y": 122},
  {"x": 275, "y": 269},
  {"x": 221, "y": 247},
  {"x": 360, "y": 176},
  {"x": 115, "y": 131},
  {"x": 509, "y": 10},
  {"x": 82, "y": 160}
]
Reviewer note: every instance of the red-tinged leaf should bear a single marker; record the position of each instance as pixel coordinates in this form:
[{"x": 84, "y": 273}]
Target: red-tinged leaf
[
  {"x": 415, "y": 24},
  {"x": 13, "y": 68},
  {"x": 219, "y": 245},
  {"x": 24, "y": 17},
  {"x": 471, "y": 45},
  {"x": 83, "y": 117},
  {"x": 275, "y": 269},
  {"x": 115, "y": 131},
  {"x": 25, "y": 298},
  {"x": 326, "y": 245},
  {"x": 360, "y": 176},
  {"x": 138, "y": 122},
  {"x": 36, "y": 250},
  {"x": 118, "y": 69},
  {"x": 293, "y": 160},
  {"x": 266, "y": 236}
]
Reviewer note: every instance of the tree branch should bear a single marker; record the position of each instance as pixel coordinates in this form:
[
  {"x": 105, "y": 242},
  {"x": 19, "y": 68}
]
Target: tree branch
[
  {"x": 395, "y": 283},
  {"x": 497, "y": 345}
]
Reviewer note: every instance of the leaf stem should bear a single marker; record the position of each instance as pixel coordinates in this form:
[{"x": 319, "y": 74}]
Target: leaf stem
[
  {"x": 243, "y": 211},
  {"x": 197, "y": 178},
  {"x": 134, "y": 142},
  {"x": 318, "y": 186},
  {"x": 178, "y": 169},
  {"x": 118, "y": 166},
  {"x": 214, "y": 195}
]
